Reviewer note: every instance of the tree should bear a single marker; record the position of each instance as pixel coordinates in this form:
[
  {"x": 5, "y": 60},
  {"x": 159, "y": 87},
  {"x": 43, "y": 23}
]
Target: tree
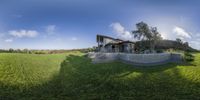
[
  {"x": 144, "y": 32},
  {"x": 11, "y": 50},
  {"x": 18, "y": 51},
  {"x": 25, "y": 51},
  {"x": 178, "y": 40},
  {"x": 156, "y": 36},
  {"x": 185, "y": 45},
  {"x": 181, "y": 45}
]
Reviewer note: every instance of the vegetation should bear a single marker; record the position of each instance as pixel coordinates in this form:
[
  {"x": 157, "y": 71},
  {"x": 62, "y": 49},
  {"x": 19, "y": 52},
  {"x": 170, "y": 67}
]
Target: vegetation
[
  {"x": 183, "y": 45},
  {"x": 30, "y": 51},
  {"x": 71, "y": 76},
  {"x": 188, "y": 56},
  {"x": 150, "y": 34},
  {"x": 152, "y": 40},
  {"x": 164, "y": 45}
]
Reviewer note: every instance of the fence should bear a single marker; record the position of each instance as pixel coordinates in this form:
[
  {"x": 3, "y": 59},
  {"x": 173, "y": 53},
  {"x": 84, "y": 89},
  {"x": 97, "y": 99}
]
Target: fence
[{"x": 136, "y": 59}]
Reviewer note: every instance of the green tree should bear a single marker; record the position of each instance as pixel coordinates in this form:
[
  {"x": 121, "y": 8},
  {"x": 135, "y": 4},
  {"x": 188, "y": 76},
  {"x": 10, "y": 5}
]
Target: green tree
[
  {"x": 11, "y": 50},
  {"x": 156, "y": 36},
  {"x": 143, "y": 31},
  {"x": 186, "y": 45},
  {"x": 178, "y": 40},
  {"x": 25, "y": 51},
  {"x": 150, "y": 34}
]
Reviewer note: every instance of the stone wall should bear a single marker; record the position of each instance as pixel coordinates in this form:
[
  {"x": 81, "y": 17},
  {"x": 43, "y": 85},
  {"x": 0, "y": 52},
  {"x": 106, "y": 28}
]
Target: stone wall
[
  {"x": 103, "y": 57},
  {"x": 145, "y": 58},
  {"x": 136, "y": 59}
]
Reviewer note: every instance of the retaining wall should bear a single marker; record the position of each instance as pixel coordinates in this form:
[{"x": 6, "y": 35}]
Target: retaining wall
[{"x": 136, "y": 59}]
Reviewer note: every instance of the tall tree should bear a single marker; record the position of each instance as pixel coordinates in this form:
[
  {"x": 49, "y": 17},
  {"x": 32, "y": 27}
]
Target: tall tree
[
  {"x": 156, "y": 36},
  {"x": 179, "y": 43},
  {"x": 178, "y": 40},
  {"x": 144, "y": 32},
  {"x": 186, "y": 45}
]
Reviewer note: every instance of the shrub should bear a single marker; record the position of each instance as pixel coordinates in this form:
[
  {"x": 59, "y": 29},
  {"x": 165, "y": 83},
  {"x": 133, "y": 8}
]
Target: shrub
[
  {"x": 159, "y": 51},
  {"x": 188, "y": 56}
]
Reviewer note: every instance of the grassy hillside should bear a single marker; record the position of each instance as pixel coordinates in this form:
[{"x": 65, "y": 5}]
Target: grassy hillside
[{"x": 72, "y": 76}]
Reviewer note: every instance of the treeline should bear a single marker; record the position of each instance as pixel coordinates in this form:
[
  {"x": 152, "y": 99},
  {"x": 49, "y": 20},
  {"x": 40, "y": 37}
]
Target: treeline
[
  {"x": 31, "y": 51},
  {"x": 152, "y": 41},
  {"x": 163, "y": 45}
]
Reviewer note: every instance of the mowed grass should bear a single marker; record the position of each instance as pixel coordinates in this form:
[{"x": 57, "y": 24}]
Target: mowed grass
[{"x": 73, "y": 77}]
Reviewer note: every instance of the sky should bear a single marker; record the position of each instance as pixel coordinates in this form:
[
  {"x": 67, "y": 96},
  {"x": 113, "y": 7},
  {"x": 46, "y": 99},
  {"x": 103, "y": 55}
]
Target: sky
[{"x": 71, "y": 24}]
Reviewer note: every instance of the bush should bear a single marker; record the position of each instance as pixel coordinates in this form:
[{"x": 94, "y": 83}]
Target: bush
[
  {"x": 188, "y": 56},
  {"x": 159, "y": 51},
  {"x": 40, "y": 52}
]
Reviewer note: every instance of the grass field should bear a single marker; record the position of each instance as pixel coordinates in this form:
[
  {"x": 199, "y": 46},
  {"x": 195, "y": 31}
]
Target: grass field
[{"x": 73, "y": 77}]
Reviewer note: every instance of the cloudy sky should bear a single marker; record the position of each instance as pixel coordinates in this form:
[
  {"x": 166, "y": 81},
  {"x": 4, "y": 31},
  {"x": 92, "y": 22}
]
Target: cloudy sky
[{"x": 68, "y": 24}]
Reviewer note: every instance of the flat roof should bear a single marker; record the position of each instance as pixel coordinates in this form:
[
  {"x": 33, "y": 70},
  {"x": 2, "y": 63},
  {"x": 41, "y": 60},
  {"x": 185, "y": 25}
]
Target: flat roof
[
  {"x": 120, "y": 43},
  {"x": 109, "y": 37}
]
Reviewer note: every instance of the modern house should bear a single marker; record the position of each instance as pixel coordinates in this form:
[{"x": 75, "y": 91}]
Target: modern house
[
  {"x": 109, "y": 44},
  {"x": 110, "y": 50}
]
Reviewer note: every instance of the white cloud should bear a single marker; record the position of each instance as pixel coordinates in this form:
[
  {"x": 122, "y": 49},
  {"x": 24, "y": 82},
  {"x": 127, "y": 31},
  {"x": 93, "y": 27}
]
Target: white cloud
[
  {"x": 117, "y": 27},
  {"x": 121, "y": 32},
  {"x": 74, "y": 38},
  {"x": 23, "y": 33},
  {"x": 50, "y": 29},
  {"x": 195, "y": 43},
  {"x": 198, "y": 35},
  {"x": 9, "y": 40},
  {"x": 181, "y": 32},
  {"x": 2, "y": 35}
]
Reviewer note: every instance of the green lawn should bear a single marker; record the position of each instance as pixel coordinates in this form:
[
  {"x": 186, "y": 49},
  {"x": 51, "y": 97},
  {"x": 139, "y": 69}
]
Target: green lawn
[{"x": 73, "y": 77}]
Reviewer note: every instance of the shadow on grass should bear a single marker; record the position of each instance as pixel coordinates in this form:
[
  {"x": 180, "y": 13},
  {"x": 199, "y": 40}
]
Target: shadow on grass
[{"x": 80, "y": 79}]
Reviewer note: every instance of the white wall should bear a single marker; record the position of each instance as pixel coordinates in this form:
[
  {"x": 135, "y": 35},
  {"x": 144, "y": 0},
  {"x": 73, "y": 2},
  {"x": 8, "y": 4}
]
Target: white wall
[
  {"x": 107, "y": 40},
  {"x": 145, "y": 58},
  {"x": 133, "y": 58}
]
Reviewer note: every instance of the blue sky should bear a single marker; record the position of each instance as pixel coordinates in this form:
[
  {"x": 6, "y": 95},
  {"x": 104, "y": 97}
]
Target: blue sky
[{"x": 69, "y": 24}]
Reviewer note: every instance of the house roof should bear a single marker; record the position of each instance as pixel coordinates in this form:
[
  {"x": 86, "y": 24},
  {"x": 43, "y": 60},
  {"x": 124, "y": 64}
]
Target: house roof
[
  {"x": 119, "y": 39},
  {"x": 127, "y": 42},
  {"x": 109, "y": 37},
  {"x": 105, "y": 36},
  {"x": 119, "y": 43}
]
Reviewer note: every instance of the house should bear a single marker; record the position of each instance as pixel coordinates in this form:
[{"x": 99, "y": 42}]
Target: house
[{"x": 109, "y": 44}]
